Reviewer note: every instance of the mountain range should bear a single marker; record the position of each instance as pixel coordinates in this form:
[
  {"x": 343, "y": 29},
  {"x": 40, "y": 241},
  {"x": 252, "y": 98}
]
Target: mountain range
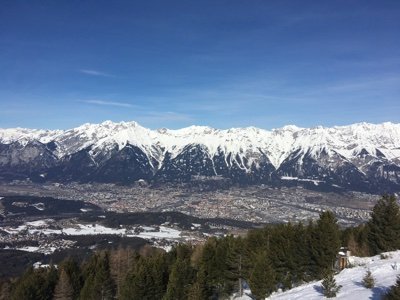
[{"x": 361, "y": 157}]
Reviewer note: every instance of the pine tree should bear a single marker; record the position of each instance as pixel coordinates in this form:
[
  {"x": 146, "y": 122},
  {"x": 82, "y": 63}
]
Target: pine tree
[
  {"x": 98, "y": 282},
  {"x": 329, "y": 285},
  {"x": 324, "y": 243},
  {"x": 180, "y": 279},
  {"x": 35, "y": 284},
  {"x": 262, "y": 278},
  {"x": 63, "y": 289},
  {"x": 384, "y": 226},
  {"x": 394, "y": 292},
  {"x": 199, "y": 289},
  {"x": 368, "y": 280}
]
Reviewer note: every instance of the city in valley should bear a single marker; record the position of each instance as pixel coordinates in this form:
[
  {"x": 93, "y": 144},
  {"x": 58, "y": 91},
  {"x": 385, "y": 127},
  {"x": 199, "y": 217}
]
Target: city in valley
[{"x": 45, "y": 219}]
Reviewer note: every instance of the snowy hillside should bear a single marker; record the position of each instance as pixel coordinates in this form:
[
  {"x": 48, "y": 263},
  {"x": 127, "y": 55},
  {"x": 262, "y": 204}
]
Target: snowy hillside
[
  {"x": 358, "y": 156},
  {"x": 384, "y": 271}
]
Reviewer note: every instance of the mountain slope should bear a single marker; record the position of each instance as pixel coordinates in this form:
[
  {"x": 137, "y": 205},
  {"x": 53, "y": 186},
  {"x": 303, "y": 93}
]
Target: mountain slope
[
  {"x": 384, "y": 272},
  {"x": 361, "y": 156}
]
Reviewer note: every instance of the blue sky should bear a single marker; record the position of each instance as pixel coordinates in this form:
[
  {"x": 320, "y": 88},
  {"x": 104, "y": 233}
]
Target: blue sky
[{"x": 217, "y": 63}]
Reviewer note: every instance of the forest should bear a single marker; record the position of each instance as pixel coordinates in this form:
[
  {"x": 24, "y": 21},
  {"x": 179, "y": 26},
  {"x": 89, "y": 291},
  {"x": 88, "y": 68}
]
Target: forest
[{"x": 278, "y": 256}]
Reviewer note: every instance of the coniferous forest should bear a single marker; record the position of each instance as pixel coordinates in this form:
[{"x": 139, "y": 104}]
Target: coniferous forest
[{"x": 279, "y": 256}]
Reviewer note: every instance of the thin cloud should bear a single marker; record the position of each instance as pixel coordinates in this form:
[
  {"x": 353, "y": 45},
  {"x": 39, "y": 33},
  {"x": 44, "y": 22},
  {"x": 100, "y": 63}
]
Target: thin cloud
[
  {"x": 108, "y": 103},
  {"x": 95, "y": 73}
]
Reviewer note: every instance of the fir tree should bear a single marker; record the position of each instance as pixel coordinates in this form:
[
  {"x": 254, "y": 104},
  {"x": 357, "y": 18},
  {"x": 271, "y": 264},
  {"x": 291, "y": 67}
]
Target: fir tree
[
  {"x": 325, "y": 243},
  {"x": 98, "y": 282},
  {"x": 199, "y": 289},
  {"x": 368, "y": 280},
  {"x": 179, "y": 281},
  {"x": 330, "y": 288},
  {"x": 384, "y": 226},
  {"x": 261, "y": 279},
  {"x": 35, "y": 284}
]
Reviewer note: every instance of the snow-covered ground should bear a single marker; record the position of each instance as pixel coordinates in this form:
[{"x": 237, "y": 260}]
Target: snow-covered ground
[
  {"x": 148, "y": 232},
  {"x": 159, "y": 233},
  {"x": 384, "y": 272}
]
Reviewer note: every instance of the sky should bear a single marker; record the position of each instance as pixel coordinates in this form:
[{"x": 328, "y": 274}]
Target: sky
[{"x": 217, "y": 63}]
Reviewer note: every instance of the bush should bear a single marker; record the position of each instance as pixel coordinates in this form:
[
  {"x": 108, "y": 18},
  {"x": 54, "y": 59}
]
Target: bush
[
  {"x": 368, "y": 280},
  {"x": 384, "y": 256}
]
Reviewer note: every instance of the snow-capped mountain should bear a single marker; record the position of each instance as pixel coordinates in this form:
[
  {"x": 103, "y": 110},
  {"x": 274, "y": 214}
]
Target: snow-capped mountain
[{"x": 359, "y": 157}]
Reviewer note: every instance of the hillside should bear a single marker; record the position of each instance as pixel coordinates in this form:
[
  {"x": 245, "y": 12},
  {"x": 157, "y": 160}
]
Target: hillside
[{"x": 384, "y": 271}]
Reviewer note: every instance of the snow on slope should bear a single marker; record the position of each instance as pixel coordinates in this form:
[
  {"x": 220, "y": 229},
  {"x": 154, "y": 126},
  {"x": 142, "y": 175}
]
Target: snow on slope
[
  {"x": 384, "y": 271},
  {"x": 25, "y": 135},
  {"x": 277, "y": 144}
]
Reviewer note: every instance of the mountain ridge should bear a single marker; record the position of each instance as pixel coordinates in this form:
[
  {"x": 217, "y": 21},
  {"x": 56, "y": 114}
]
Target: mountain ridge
[{"x": 366, "y": 153}]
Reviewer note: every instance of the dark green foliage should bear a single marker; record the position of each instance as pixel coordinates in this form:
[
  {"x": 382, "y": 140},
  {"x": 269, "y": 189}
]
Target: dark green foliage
[
  {"x": 384, "y": 226},
  {"x": 324, "y": 244},
  {"x": 238, "y": 262},
  {"x": 356, "y": 240},
  {"x": 147, "y": 278},
  {"x": 329, "y": 285},
  {"x": 35, "y": 284},
  {"x": 368, "y": 280},
  {"x": 180, "y": 278},
  {"x": 213, "y": 264},
  {"x": 262, "y": 276},
  {"x": 394, "y": 292},
  {"x": 98, "y": 282}
]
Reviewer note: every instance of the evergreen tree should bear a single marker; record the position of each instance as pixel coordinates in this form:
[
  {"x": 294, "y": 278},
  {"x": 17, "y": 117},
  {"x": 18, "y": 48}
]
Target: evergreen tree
[
  {"x": 283, "y": 250},
  {"x": 384, "y": 226},
  {"x": 63, "y": 289},
  {"x": 180, "y": 279},
  {"x": 98, "y": 282},
  {"x": 300, "y": 253},
  {"x": 236, "y": 264},
  {"x": 329, "y": 285},
  {"x": 214, "y": 265},
  {"x": 199, "y": 289},
  {"x": 394, "y": 292},
  {"x": 35, "y": 284},
  {"x": 261, "y": 281},
  {"x": 325, "y": 243},
  {"x": 368, "y": 280}
]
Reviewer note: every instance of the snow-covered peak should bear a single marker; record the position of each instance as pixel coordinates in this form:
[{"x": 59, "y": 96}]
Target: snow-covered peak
[
  {"x": 277, "y": 144},
  {"x": 25, "y": 135}
]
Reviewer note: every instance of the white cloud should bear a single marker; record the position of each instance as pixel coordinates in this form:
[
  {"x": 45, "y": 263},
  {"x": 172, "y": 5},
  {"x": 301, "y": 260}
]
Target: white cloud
[
  {"x": 95, "y": 73},
  {"x": 108, "y": 103}
]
